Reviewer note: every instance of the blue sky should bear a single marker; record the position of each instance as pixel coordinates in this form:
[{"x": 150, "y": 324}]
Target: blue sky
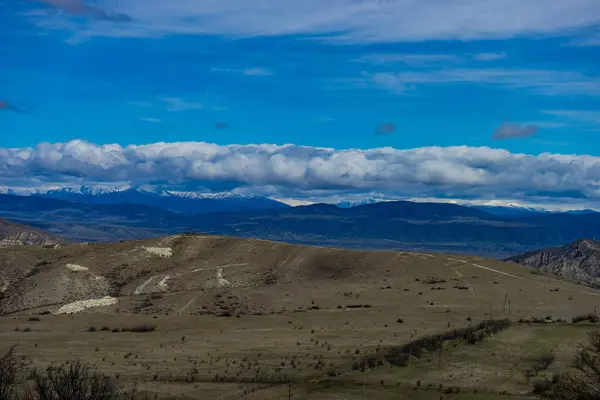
[{"x": 498, "y": 74}]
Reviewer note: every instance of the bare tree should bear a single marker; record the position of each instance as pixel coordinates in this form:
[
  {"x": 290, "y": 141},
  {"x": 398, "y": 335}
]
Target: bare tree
[
  {"x": 10, "y": 367},
  {"x": 75, "y": 381},
  {"x": 585, "y": 383}
]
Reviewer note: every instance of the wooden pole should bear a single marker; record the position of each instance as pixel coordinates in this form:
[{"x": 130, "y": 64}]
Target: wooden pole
[{"x": 365, "y": 384}]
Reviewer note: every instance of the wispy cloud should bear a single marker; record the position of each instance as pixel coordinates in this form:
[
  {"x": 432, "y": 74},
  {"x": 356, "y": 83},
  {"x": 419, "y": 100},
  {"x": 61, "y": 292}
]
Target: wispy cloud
[
  {"x": 257, "y": 72},
  {"x": 178, "y": 104},
  {"x": 581, "y": 116},
  {"x": 413, "y": 60},
  {"x": 490, "y": 56},
  {"x": 546, "y": 82},
  {"x": 7, "y": 106},
  {"x": 510, "y": 130},
  {"x": 349, "y": 20},
  {"x": 81, "y": 8},
  {"x": 149, "y": 119}
]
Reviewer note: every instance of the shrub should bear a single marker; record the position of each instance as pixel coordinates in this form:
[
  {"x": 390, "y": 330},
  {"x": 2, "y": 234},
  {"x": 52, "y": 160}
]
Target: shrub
[
  {"x": 585, "y": 317},
  {"x": 541, "y": 386},
  {"x": 91, "y": 329},
  {"x": 33, "y": 319},
  {"x": 140, "y": 328},
  {"x": 75, "y": 381}
]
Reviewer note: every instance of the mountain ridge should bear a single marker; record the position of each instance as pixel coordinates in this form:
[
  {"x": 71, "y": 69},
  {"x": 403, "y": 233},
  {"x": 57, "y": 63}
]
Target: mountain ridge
[
  {"x": 15, "y": 234},
  {"x": 578, "y": 260}
]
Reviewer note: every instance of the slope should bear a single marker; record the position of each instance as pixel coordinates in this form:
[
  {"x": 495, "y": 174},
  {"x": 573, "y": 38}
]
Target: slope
[
  {"x": 579, "y": 261},
  {"x": 13, "y": 234},
  {"x": 235, "y": 316}
]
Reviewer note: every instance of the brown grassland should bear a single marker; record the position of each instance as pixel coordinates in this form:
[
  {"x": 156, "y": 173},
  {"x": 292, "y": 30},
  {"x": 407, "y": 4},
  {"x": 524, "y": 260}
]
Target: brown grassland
[{"x": 233, "y": 318}]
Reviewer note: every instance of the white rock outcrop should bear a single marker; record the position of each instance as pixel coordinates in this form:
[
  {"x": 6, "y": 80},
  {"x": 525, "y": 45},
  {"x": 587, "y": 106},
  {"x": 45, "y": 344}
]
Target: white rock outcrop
[
  {"x": 160, "y": 251},
  {"x": 82, "y": 305},
  {"x": 76, "y": 267}
]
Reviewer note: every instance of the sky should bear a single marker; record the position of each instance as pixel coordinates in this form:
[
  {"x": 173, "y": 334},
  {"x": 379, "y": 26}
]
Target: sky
[{"x": 307, "y": 99}]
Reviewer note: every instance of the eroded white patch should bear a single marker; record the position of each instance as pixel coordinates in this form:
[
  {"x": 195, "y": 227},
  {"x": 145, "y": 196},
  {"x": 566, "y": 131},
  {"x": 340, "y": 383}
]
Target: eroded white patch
[
  {"x": 160, "y": 251},
  {"x": 140, "y": 288},
  {"x": 4, "y": 286},
  {"x": 76, "y": 267},
  {"x": 162, "y": 285},
  {"x": 221, "y": 282},
  {"x": 81, "y": 305}
]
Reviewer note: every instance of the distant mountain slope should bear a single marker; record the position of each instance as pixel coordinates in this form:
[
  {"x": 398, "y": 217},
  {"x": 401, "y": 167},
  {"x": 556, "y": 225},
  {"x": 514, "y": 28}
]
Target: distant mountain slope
[
  {"x": 579, "y": 260},
  {"x": 181, "y": 202},
  {"x": 13, "y": 234},
  {"x": 86, "y": 222},
  {"x": 384, "y": 225}
]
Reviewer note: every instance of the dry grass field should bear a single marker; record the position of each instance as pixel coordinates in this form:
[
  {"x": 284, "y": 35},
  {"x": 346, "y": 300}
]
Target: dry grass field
[{"x": 232, "y": 318}]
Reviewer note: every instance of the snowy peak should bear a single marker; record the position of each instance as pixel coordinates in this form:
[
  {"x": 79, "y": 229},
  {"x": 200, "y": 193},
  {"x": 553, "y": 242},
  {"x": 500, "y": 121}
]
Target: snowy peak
[
  {"x": 176, "y": 201},
  {"x": 350, "y": 203}
]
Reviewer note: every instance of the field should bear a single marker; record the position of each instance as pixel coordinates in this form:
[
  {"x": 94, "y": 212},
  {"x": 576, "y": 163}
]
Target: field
[{"x": 261, "y": 320}]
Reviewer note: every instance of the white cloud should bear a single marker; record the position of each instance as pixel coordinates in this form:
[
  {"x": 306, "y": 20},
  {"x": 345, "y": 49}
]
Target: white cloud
[
  {"x": 537, "y": 81},
  {"x": 421, "y": 172},
  {"x": 347, "y": 20},
  {"x": 149, "y": 119}
]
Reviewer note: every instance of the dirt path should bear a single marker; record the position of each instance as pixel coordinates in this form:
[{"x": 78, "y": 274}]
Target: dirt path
[{"x": 522, "y": 278}]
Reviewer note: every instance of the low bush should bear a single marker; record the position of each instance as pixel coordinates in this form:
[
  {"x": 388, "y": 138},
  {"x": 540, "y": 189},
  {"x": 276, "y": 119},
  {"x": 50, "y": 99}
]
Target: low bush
[{"x": 140, "y": 328}]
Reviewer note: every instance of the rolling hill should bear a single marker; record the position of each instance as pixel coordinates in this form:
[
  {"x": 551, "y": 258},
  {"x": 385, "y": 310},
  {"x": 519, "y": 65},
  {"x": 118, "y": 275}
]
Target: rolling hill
[{"x": 198, "y": 316}]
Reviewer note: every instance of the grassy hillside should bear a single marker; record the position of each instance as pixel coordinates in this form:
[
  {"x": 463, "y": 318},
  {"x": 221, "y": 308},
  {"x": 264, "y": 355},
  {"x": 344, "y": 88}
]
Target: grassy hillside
[{"x": 231, "y": 316}]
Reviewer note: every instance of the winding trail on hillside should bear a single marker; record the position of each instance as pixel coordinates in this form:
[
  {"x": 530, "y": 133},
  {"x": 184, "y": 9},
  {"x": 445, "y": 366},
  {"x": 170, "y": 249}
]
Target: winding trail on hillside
[{"x": 522, "y": 278}]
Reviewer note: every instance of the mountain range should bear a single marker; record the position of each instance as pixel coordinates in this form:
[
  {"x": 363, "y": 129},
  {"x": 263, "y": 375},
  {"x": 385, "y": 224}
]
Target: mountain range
[
  {"x": 180, "y": 202},
  {"x": 384, "y": 225}
]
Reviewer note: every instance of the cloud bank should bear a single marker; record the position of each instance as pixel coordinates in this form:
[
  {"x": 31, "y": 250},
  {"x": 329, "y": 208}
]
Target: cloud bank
[
  {"x": 474, "y": 172},
  {"x": 81, "y": 8},
  {"x": 343, "y": 20}
]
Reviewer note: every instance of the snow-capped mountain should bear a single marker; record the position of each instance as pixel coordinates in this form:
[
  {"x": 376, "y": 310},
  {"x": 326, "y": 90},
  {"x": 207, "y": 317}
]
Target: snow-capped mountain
[
  {"x": 66, "y": 190},
  {"x": 182, "y": 202},
  {"x": 352, "y": 203}
]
